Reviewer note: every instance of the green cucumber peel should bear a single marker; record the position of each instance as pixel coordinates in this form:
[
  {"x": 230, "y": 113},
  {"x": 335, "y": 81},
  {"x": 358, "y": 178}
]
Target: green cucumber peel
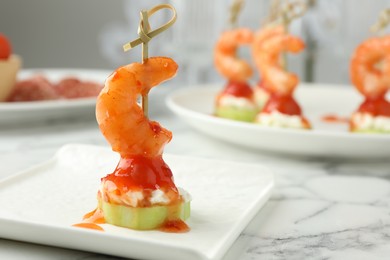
[
  {"x": 371, "y": 131},
  {"x": 145, "y": 218},
  {"x": 235, "y": 113}
]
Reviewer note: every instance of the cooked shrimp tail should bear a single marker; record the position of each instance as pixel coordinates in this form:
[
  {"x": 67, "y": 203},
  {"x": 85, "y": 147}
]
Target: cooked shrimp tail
[
  {"x": 121, "y": 118},
  {"x": 225, "y": 55},
  {"x": 268, "y": 45},
  {"x": 370, "y": 67}
]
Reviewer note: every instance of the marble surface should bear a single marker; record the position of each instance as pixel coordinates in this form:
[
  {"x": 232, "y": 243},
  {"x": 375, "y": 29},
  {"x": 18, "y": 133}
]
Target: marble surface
[{"x": 320, "y": 208}]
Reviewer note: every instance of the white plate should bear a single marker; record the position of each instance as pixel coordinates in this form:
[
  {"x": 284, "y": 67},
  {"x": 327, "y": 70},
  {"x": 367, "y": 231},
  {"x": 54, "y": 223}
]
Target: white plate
[
  {"x": 195, "y": 105},
  {"x": 40, "y": 205},
  {"x": 27, "y": 112}
]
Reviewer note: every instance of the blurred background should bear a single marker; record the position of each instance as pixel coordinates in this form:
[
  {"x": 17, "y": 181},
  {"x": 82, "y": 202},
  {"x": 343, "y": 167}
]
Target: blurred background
[{"x": 90, "y": 34}]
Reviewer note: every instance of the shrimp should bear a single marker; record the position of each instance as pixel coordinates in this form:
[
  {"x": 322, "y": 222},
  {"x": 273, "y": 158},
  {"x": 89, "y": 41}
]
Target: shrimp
[
  {"x": 121, "y": 119},
  {"x": 370, "y": 67},
  {"x": 225, "y": 58},
  {"x": 268, "y": 44}
]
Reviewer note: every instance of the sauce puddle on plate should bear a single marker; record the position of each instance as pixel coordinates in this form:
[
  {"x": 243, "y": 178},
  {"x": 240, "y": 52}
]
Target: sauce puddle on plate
[
  {"x": 89, "y": 226},
  {"x": 333, "y": 118},
  {"x": 91, "y": 220}
]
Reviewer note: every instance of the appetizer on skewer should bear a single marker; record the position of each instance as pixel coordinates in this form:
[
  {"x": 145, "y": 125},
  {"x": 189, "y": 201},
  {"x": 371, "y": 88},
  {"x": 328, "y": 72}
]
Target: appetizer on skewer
[
  {"x": 281, "y": 108},
  {"x": 9, "y": 67},
  {"x": 370, "y": 73},
  {"x": 236, "y": 100},
  {"x": 373, "y": 82},
  {"x": 278, "y": 105},
  {"x": 140, "y": 193}
]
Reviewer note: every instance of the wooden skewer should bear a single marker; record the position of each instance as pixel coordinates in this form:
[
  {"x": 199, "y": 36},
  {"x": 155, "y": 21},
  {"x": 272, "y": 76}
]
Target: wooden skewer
[
  {"x": 235, "y": 10},
  {"x": 288, "y": 13},
  {"x": 273, "y": 13},
  {"x": 383, "y": 21},
  {"x": 145, "y": 35},
  {"x": 145, "y": 54}
]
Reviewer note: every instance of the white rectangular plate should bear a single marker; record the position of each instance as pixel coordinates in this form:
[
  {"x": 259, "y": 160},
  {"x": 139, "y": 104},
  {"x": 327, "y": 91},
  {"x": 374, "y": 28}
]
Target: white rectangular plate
[{"x": 40, "y": 205}]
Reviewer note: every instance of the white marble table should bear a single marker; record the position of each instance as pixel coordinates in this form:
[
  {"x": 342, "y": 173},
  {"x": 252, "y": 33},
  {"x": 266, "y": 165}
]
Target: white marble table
[{"x": 320, "y": 208}]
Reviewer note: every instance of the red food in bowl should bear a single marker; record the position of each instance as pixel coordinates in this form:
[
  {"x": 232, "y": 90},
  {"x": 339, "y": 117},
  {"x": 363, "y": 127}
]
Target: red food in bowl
[
  {"x": 33, "y": 89},
  {"x": 75, "y": 88}
]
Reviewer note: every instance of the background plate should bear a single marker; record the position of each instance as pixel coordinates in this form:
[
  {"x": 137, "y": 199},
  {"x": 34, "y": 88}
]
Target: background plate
[
  {"x": 40, "y": 205},
  {"x": 28, "y": 112},
  {"x": 196, "y": 105}
]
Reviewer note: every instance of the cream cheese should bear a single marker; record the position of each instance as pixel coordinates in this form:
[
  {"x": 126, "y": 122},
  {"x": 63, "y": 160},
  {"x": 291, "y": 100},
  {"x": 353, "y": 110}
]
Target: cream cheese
[
  {"x": 278, "y": 119},
  {"x": 108, "y": 190},
  {"x": 240, "y": 102},
  {"x": 365, "y": 121}
]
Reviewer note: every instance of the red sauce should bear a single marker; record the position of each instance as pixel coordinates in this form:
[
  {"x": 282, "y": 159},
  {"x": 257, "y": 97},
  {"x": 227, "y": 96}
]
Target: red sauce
[
  {"x": 376, "y": 107},
  {"x": 284, "y": 104},
  {"x": 238, "y": 89},
  {"x": 92, "y": 219},
  {"x": 95, "y": 216},
  {"x": 89, "y": 226},
  {"x": 142, "y": 172},
  {"x": 174, "y": 226},
  {"x": 334, "y": 119},
  {"x": 135, "y": 173},
  {"x": 89, "y": 214}
]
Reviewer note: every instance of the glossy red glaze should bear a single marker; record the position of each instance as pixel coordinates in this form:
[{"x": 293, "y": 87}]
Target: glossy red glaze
[
  {"x": 238, "y": 89},
  {"x": 142, "y": 172},
  {"x": 284, "y": 104},
  {"x": 376, "y": 107}
]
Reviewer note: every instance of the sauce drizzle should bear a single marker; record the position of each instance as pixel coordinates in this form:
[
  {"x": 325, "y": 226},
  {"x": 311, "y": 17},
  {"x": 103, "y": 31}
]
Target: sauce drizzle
[
  {"x": 332, "y": 118},
  {"x": 89, "y": 226},
  {"x": 91, "y": 220},
  {"x": 142, "y": 172},
  {"x": 95, "y": 216},
  {"x": 175, "y": 226}
]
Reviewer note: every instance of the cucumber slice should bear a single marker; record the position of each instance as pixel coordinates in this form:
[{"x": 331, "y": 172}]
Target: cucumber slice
[
  {"x": 143, "y": 218},
  {"x": 371, "y": 131},
  {"x": 235, "y": 113}
]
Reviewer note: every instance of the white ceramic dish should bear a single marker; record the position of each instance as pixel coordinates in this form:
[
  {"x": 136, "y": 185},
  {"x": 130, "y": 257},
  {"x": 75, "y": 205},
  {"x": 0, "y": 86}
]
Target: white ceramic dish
[
  {"x": 39, "y": 205},
  {"x": 28, "y": 112},
  {"x": 196, "y": 104}
]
